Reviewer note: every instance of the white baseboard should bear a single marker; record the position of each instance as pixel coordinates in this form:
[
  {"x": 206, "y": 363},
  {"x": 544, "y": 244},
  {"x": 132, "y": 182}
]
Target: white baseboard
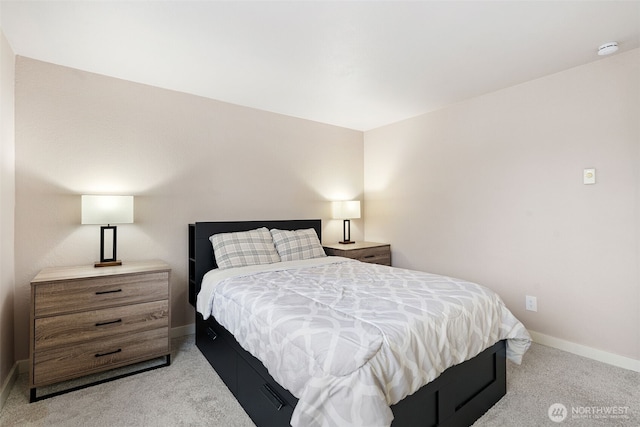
[
  {"x": 181, "y": 331},
  {"x": 22, "y": 366},
  {"x": 8, "y": 384},
  {"x": 589, "y": 352}
]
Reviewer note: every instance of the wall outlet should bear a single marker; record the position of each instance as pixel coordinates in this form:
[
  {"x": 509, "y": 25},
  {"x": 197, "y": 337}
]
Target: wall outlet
[{"x": 531, "y": 303}]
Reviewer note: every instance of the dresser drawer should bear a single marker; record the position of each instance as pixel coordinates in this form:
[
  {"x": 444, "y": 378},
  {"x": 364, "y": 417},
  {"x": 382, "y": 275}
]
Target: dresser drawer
[
  {"x": 69, "y": 329},
  {"x": 99, "y": 292},
  {"x": 60, "y": 364}
]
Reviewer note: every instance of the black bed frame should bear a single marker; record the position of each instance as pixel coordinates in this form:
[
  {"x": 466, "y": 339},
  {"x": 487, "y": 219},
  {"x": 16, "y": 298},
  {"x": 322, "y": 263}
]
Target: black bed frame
[{"x": 458, "y": 397}]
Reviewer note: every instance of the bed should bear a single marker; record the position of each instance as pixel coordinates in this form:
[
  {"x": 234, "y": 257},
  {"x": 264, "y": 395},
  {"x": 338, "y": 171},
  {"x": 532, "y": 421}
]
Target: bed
[{"x": 458, "y": 395}]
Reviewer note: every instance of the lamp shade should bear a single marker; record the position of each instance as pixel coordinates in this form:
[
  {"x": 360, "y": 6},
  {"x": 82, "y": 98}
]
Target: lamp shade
[
  {"x": 348, "y": 209},
  {"x": 107, "y": 209}
]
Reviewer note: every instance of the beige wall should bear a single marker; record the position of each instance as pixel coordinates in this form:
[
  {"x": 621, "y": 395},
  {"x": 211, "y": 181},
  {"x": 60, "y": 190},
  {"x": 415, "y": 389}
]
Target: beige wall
[
  {"x": 7, "y": 203},
  {"x": 185, "y": 158},
  {"x": 491, "y": 190}
]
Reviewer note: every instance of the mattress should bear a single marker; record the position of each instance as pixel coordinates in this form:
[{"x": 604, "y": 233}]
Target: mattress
[{"x": 349, "y": 339}]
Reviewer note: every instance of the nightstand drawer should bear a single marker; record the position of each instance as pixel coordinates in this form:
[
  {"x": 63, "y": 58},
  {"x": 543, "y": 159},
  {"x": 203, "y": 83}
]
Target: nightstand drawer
[
  {"x": 63, "y": 363},
  {"x": 374, "y": 253},
  {"x": 379, "y": 255},
  {"x": 383, "y": 259},
  {"x": 88, "y": 294},
  {"x": 69, "y": 329}
]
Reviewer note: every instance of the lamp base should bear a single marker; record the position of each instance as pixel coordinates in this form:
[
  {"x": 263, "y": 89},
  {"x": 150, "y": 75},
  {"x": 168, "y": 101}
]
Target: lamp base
[
  {"x": 346, "y": 242},
  {"x": 107, "y": 263}
]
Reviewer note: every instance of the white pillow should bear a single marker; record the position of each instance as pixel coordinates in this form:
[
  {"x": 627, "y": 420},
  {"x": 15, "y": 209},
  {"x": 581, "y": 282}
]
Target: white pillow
[
  {"x": 297, "y": 244},
  {"x": 242, "y": 248}
]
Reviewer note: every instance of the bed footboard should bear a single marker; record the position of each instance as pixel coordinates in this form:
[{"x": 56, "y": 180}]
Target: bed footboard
[{"x": 460, "y": 395}]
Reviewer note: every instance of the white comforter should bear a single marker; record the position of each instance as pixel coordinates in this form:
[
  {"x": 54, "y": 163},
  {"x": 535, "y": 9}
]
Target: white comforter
[{"x": 348, "y": 339}]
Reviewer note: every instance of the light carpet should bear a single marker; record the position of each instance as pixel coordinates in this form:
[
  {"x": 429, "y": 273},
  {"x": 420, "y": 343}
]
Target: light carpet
[{"x": 189, "y": 393}]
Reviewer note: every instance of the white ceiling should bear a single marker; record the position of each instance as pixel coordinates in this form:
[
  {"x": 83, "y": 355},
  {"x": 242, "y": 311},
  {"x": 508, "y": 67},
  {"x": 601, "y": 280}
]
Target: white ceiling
[{"x": 354, "y": 64}]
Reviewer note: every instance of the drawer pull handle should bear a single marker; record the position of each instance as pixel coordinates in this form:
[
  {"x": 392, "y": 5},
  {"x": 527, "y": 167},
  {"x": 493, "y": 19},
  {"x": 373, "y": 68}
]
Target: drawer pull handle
[
  {"x": 108, "y": 353},
  {"x": 369, "y": 256},
  {"x": 273, "y": 397},
  {"x": 108, "y": 292},
  {"x": 212, "y": 334},
  {"x": 108, "y": 323}
]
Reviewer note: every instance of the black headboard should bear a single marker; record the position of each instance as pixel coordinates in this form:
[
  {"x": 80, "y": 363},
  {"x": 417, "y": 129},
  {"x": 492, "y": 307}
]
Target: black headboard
[{"x": 201, "y": 257}]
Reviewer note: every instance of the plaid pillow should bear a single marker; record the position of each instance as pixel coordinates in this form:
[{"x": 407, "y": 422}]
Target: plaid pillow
[
  {"x": 297, "y": 244},
  {"x": 243, "y": 248}
]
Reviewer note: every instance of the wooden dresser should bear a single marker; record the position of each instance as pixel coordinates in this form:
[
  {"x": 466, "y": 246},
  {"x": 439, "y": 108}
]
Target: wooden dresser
[
  {"x": 375, "y": 253},
  {"x": 86, "y": 320}
]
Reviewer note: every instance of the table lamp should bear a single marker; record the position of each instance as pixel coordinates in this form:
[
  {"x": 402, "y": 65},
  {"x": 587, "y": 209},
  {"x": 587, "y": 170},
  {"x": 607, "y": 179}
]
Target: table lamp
[
  {"x": 107, "y": 210},
  {"x": 346, "y": 210}
]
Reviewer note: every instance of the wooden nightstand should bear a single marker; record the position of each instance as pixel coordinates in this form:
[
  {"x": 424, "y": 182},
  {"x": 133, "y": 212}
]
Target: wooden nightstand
[
  {"x": 375, "y": 253},
  {"x": 86, "y": 320}
]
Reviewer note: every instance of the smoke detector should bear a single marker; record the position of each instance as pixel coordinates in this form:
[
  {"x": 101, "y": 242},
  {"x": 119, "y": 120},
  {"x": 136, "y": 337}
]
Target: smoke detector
[{"x": 608, "y": 48}]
